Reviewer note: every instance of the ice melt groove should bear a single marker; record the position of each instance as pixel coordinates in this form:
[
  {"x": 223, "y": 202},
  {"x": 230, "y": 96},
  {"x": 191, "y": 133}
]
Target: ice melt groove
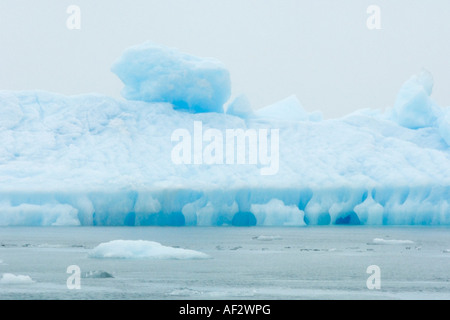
[
  {"x": 94, "y": 160},
  {"x": 240, "y": 207}
]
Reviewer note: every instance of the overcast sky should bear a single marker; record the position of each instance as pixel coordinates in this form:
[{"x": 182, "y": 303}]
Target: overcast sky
[{"x": 320, "y": 50}]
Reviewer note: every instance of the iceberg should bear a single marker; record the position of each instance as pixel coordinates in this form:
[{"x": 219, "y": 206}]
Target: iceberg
[
  {"x": 141, "y": 249},
  {"x": 93, "y": 160}
]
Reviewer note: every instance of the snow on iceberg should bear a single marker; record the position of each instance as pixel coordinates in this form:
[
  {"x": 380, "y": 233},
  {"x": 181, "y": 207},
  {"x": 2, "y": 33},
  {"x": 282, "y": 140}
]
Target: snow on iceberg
[
  {"x": 9, "y": 278},
  {"x": 141, "y": 249},
  {"x": 154, "y": 73}
]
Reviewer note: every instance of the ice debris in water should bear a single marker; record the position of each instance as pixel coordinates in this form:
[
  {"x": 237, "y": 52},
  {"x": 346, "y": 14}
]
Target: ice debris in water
[
  {"x": 97, "y": 274},
  {"x": 391, "y": 241}
]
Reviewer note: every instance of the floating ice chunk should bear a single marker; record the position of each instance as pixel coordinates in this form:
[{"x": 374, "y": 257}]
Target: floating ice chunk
[
  {"x": 154, "y": 73},
  {"x": 38, "y": 215},
  {"x": 289, "y": 109},
  {"x": 240, "y": 107},
  {"x": 276, "y": 213},
  {"x": 391, "y": 241},
  {"x": 97, "y": 274},
  {"x": 9, "y": 278},
  {"x": 414, "y": 108},
  {"x": 267, "y": 238},
  {"x": 141, "y": 249}
]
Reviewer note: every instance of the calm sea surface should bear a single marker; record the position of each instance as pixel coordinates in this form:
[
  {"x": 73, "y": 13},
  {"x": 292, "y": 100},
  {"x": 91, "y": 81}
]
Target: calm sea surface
[{"x": 246, "y": 263}]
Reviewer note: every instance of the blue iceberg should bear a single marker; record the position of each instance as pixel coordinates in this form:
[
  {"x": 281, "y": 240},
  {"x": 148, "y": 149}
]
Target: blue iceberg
[
  {"x": 95, "y": 160},
  {"x": 154, "y": 73}
]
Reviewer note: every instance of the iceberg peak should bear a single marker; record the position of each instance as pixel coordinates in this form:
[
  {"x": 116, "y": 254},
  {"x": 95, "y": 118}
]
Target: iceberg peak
[
  {"x": 155, "y": 73},
  {"x": 413, "y": 107}
]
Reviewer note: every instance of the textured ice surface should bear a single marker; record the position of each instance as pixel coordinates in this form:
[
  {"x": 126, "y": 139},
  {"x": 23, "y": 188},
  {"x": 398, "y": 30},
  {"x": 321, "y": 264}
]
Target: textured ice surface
[
  {"x": 240, "y": 107},
  {"x": 444, "y": 126},
  {"x": 94, "y": 160},
  {"x": 155, "y": 73},
  {"x": 140, "y": 249},
  {"x": 42, "y": 215},
  {"x": 414, "y": 108}
]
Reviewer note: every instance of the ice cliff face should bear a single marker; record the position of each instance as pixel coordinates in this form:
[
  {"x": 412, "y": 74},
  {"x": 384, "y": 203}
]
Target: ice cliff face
[{"x": 95, "y": 160}]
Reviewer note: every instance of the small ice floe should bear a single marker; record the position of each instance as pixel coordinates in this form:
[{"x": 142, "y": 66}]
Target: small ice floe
[
  {"x": 184, "y": 292},
  {"x": 97, "y": 274},
  {"x": 267, "y": 238},
  {"x": 9, "y": 278},
  {"x": 393, "y": 241},
  {"x": 446, "y": 251},
  {"x": 317, "y": 249},
  {"x": 141, "y": 249}
]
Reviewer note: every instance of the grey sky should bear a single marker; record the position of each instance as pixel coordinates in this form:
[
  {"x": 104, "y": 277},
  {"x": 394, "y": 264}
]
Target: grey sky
[{"x": 319, "y": 50}]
